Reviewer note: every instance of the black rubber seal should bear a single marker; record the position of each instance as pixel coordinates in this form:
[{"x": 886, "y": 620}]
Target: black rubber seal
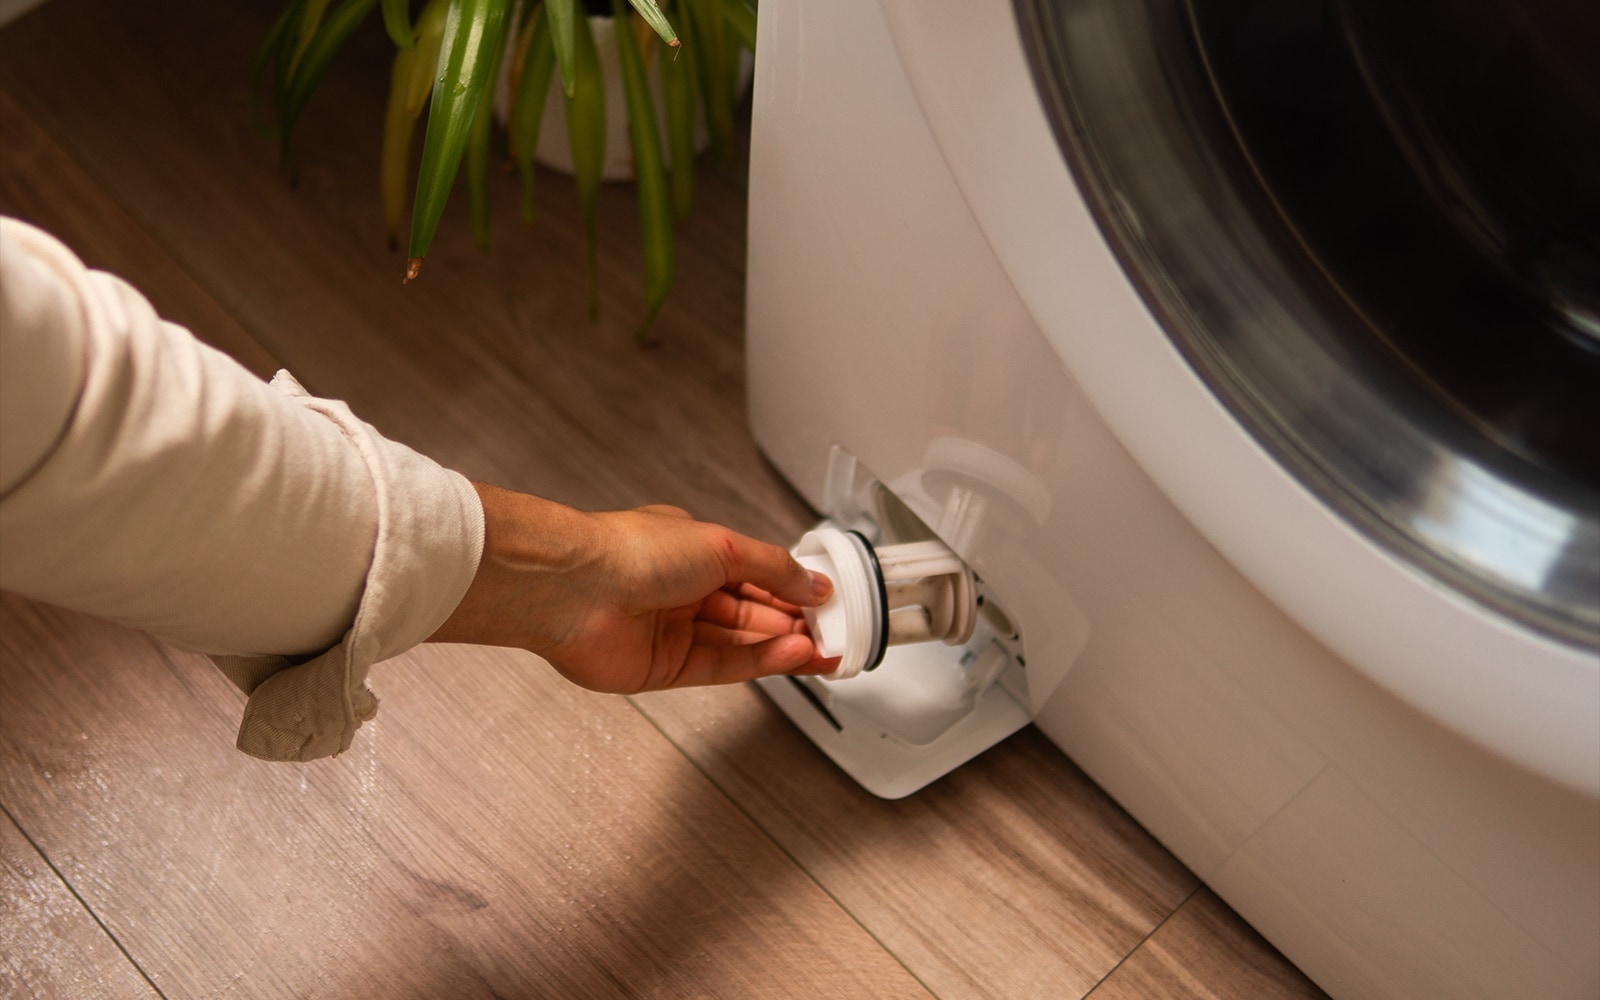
[{"x": 883, "y": 602}]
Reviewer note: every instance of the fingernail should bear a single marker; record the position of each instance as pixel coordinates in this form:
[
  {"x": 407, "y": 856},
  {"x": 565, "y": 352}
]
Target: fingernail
[{"x": 821, "y": 587}]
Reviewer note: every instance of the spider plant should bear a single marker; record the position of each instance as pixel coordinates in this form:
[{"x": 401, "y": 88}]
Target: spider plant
[{"x": 447, "y": 59}]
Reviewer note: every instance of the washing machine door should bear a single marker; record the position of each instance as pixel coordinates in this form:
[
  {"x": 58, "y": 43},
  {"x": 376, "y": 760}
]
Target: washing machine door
[{"x": 1373, "y": 229}]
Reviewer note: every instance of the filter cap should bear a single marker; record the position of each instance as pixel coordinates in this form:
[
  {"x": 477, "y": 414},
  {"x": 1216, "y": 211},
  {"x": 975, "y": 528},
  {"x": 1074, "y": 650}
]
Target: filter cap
[{"x": 850, "y": 624}]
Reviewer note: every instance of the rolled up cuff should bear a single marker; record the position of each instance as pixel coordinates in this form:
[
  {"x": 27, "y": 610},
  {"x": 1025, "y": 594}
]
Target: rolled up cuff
[{"x": 429, "y": 542}]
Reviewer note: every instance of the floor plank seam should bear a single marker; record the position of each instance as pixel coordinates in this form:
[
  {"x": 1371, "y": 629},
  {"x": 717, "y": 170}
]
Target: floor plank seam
[
  {"x": 786, "y": 853},
  {"x": 62, "y": 878},
  {"x": 1141, "y": 942}
]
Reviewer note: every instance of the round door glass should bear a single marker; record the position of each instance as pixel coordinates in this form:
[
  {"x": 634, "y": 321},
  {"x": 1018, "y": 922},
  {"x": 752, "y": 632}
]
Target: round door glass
[{"x": 1373, "y": 229}]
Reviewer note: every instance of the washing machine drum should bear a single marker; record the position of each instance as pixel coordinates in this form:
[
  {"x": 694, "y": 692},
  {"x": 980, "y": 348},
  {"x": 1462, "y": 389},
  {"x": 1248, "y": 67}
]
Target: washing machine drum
[{"x": 1373, "y": 229}]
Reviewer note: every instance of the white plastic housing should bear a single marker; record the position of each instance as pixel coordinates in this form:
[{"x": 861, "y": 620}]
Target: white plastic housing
[{"x": 949, "y": 686}]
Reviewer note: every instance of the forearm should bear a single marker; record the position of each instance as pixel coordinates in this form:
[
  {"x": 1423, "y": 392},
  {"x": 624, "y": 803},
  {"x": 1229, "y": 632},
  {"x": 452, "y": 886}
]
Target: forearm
[
  {"x": 173, "y": 491},
  {"x": 149, "y": 480}
]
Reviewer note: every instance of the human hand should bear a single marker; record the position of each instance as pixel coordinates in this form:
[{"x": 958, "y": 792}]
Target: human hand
[{"x": 637, "y": 600}]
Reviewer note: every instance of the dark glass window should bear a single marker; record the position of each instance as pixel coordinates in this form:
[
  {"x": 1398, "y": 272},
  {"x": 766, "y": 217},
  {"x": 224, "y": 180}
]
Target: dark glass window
[{"x": 1373, "y": 228}]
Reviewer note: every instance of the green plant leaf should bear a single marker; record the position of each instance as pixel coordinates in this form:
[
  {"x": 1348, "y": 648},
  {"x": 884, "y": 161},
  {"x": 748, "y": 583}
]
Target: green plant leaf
[
  {"x": 650, "y": 174},
  {"x": 311, "y": 16},
  {"x": 586, "y": 129},
  {"x": 307, "y": 71},
  {"x": 398, "y": 126},
  {"x": 430, "y": 34},
  {"x": 680, "y": 108},
  {"x": 651, "y": 12},
  {"x": 741, "y": 19},
  {"x": 713, "y": 62},
  {"x": 474, "y": 30},
  {"x": 527, "y": 104},
  {"x": 274, "y": 53},
  {"x": 397, "y": 21},
  {"x": 282, "y": 52},
  {"x": 563, "y": 35},
  {"x": 274, "y": 41},
  {"x": 478, "y": 151}
]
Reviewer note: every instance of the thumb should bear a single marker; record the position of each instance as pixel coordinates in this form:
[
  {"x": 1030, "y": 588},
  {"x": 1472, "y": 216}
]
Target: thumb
[{"x": 774, "y": 570}]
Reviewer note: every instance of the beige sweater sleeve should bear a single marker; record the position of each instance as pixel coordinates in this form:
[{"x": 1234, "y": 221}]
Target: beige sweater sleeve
[{"x": 148, "y": 479}]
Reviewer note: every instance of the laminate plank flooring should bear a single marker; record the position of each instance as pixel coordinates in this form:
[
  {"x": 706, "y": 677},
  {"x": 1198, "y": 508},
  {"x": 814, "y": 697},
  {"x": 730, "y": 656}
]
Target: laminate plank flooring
[
  {"x": 1205, "y": 951},
  {"x": 485, "y": 836},
  {"x": 495, "y": 832},
  {"x": 50, "y": 945},
  {"x": 1015, "y": 876},
  {"x": 41, "y": 184}
]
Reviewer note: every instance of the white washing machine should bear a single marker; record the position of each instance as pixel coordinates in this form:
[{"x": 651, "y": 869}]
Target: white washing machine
[{"x": 1249, "y": 356}]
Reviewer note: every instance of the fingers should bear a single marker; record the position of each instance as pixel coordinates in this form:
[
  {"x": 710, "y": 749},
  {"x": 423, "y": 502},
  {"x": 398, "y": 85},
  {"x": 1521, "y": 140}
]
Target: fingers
[
  {"x": 667, "y": 510},
  {"x": 774, "y": 570},
  {"x": 784, "y": 654},
  {"x": 708, "y": 634},
  {"x": 723, "y": 608},
  {"x": 755, "y": 593},
  {"x": 769, "y": 569}
]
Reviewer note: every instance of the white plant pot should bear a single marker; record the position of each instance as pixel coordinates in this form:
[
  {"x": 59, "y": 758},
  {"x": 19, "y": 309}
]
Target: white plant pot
[{"x": 555, "y": 150}]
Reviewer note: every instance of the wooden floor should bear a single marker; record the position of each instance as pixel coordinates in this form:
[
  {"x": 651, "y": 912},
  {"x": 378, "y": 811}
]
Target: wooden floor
[{"x": 495, "y": 832}]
